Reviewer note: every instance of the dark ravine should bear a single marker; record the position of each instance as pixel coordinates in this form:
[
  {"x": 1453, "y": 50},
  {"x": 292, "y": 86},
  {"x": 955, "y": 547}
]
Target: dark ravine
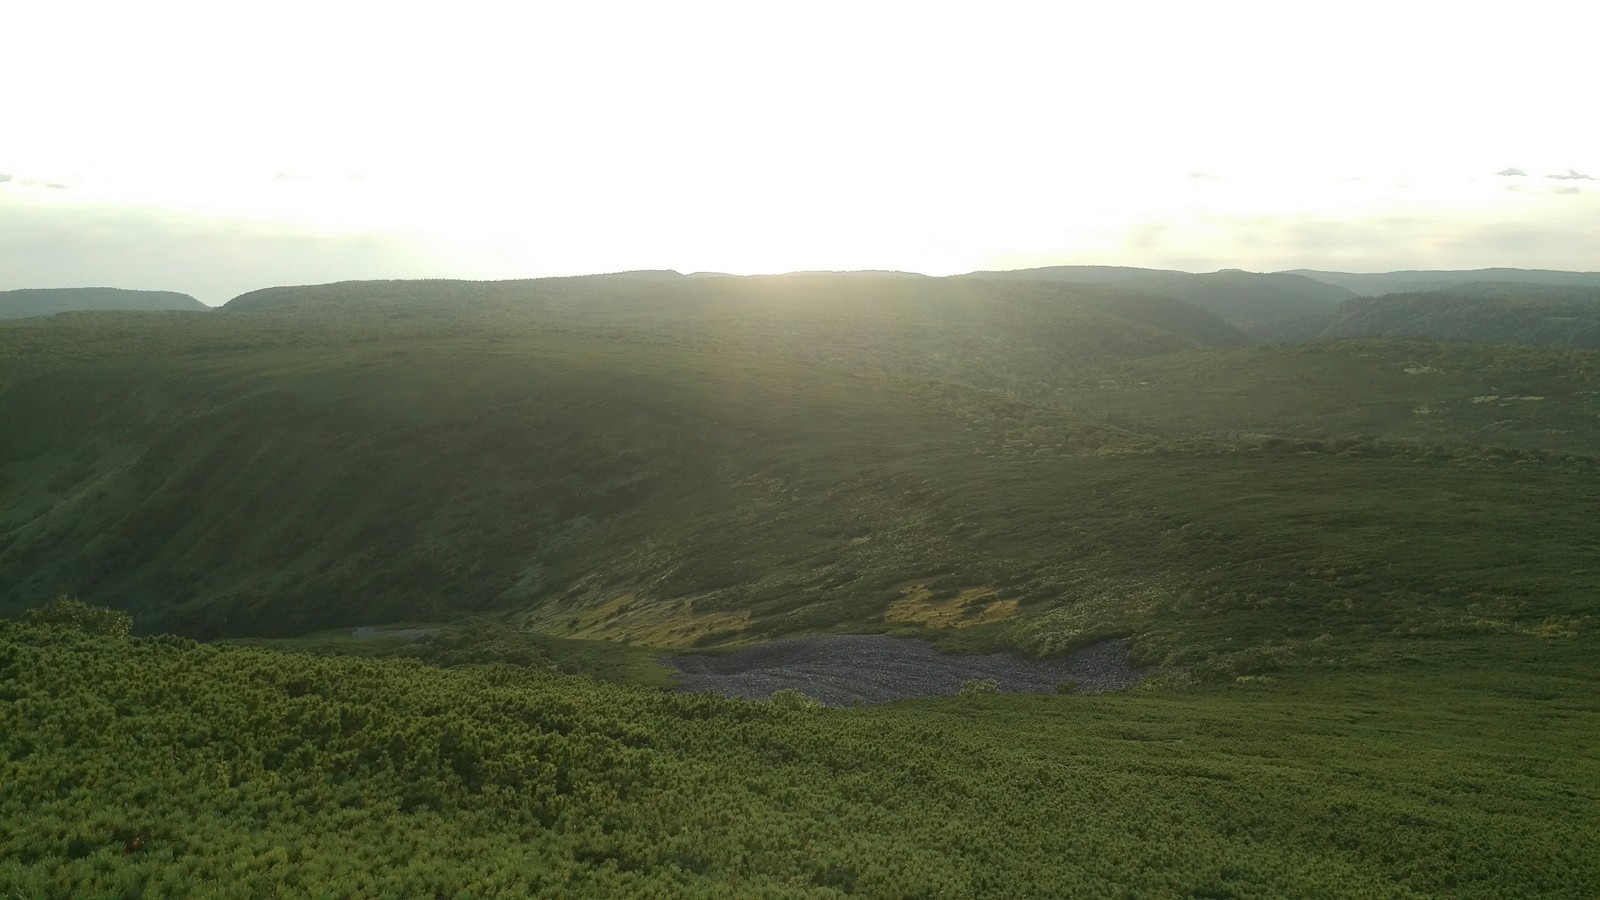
[{"x": 843, "y": 670}]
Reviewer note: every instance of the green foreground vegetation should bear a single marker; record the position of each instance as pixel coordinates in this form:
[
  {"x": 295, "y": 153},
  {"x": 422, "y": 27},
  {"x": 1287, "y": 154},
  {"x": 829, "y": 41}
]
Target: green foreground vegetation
[
  {"x": 160, "y": 767},
  {"x": 1364, "y": 572}
]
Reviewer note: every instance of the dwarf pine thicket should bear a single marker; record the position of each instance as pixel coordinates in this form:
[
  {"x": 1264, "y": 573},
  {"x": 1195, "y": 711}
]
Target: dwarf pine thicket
[{"x": 157, "y": 765}]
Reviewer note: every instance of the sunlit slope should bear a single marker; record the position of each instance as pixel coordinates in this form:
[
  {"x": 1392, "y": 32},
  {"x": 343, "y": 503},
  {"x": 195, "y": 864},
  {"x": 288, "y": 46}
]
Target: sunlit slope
[
  {"x": 267, "y": 491},
  {"x": 997, "y": 335},
  {"x": 610, "y": 486},
  {"x": 49, "y": 301},
  {"x": 893, "y": 303}
]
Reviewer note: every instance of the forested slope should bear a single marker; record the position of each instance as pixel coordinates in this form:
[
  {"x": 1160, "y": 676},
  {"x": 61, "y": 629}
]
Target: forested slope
[
  {"x": 1264, "y": 305},
  {"x": 1532, "y": 314}
]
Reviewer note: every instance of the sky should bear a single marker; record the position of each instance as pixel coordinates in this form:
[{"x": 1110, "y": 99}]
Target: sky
[{"x": 214, "y": 148}]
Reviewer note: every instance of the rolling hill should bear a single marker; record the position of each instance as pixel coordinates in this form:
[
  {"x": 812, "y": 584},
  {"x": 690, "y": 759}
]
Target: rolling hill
[
  {"x": 1008, "y": 337},
  {"x": 1487, "y": 312},
  {"x": 26, "y": 302},
  {"x": 1360, "y": 571},
  {"x": 1424, "y": 281},
  {"x": 1265, "y": 305}
]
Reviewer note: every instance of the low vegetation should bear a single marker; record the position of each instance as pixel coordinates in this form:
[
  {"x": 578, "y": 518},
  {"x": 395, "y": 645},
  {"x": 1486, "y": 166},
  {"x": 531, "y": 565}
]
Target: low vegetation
[
  {"x": 152, "y": 765},
  {"x": 1532, "y": 314}
]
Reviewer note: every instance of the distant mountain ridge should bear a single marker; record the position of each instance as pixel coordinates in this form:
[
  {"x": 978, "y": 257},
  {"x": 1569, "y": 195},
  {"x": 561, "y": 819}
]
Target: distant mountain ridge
[
  {"x": 437, "y": 293},
  {"x": 1254, "y": 302},
  {"x": 26, "y": 302},
  {"x": 1010, "y": 336},
  {"x": 1413, "y": 281}
]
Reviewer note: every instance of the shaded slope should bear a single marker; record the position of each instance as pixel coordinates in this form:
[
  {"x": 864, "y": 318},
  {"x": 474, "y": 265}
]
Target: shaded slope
[
  {"x": 1460, "y": 396},
  {"x": 49, "y": 301},
  {"x": 1262, "y": 304},
  {"x": 1499, "y": 313}
]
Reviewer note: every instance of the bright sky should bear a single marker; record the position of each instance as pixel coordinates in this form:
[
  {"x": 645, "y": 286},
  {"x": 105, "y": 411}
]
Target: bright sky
[{"x": 213, "y": 148}]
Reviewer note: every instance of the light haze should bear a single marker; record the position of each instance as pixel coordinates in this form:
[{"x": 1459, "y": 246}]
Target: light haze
[{"x": 216, "y": 148}]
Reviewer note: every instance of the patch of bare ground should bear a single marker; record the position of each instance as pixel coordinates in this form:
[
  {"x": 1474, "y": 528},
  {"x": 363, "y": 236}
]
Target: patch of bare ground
[{"x": 844, "y": 670}]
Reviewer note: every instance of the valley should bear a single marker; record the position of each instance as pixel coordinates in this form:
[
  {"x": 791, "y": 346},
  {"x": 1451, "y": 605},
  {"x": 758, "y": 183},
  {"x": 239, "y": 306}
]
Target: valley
[{"x": 1349, "y": 579}]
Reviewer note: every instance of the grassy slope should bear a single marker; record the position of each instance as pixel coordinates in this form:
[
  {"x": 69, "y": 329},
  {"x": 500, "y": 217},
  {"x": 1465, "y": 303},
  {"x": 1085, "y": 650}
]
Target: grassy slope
[
  {"x": 235, "y": 473},
  {"x": 1427, "y": 393},
  {"x": 612, "y": 489},
  {"x": 274, "y": 474},
  {"x": 605, "y": 483},
  {"x": 152, "y": 765}
]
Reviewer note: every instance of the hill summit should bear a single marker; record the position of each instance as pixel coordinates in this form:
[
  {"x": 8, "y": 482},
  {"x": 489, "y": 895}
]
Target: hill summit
[{"x": 28, "y": 302}]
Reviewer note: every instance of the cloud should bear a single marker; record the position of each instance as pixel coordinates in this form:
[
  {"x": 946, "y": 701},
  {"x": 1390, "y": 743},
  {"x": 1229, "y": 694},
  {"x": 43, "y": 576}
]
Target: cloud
[
  {"x": 19, "y": 181},
  {"x": 1554, "y": 232},
  {"x": 1572, "y": 175},
  {"x": 1541, "y": 190},
  {"x": 1511, "y": 172}
]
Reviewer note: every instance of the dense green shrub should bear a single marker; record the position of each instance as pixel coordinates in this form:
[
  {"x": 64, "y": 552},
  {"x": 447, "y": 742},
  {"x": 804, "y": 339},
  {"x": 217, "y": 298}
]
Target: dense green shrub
[
  {"x": 792, "y": 699},
  {"x": 153, "y": 766},
  {"x": 976, "y": 687},
  {"x": 70, "y": 612}
]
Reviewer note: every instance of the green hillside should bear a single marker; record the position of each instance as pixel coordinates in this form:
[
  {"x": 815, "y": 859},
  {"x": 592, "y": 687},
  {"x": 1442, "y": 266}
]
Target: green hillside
[
  {"x": 1361, "y": 571},
  {"x": 49, "y": 301},
  {"x": 649, "y": 464},
  {"x": 1500, "y": 313},
  {"x": 1424, "y": 281},
  {"x": 1011, "y": 337},
  {"x": 1275, "y": 306},
  {"x": 1461, "y": 396}
]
